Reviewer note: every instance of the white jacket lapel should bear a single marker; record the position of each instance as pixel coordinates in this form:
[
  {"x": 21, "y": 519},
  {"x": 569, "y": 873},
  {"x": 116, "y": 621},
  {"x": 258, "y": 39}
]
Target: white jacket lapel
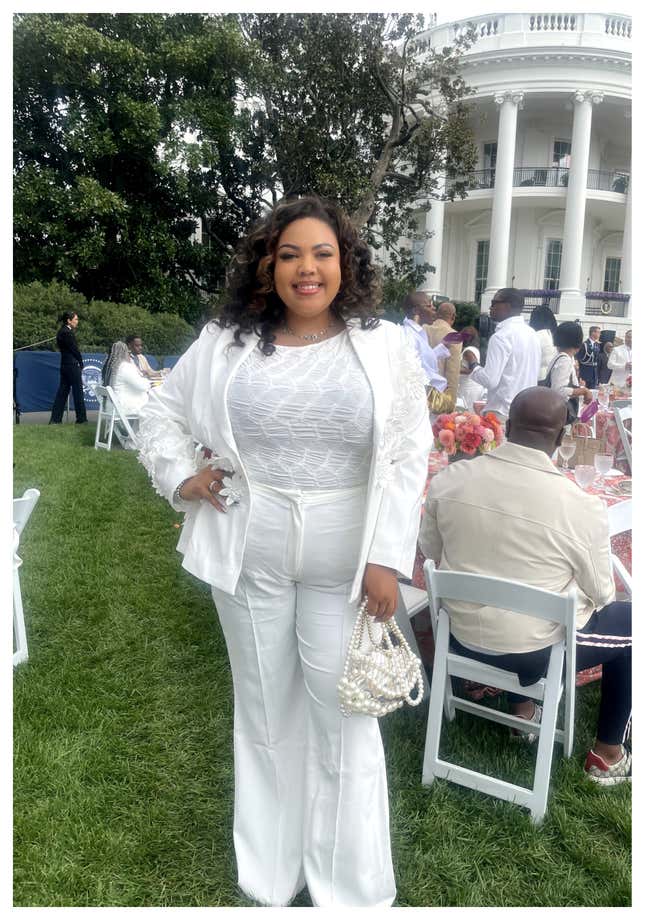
[{"x": 371, "y": 349}]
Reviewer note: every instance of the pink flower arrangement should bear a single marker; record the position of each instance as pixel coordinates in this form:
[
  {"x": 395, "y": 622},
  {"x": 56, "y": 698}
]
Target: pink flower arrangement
[{"x": 467, "y": 433}]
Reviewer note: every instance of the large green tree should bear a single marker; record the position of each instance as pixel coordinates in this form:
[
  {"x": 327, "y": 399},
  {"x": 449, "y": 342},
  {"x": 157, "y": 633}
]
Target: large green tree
[
  {"x": 358, "y": 107},
  {"x": 108, "y": 175}
]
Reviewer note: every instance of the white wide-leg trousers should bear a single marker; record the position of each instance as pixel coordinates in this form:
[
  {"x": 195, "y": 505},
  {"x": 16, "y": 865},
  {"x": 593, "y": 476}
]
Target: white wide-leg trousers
[{"x": 311, "y": 801}]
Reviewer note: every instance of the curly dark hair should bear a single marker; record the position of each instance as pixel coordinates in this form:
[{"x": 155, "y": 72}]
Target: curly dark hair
[{"x": 253, "y": 305}]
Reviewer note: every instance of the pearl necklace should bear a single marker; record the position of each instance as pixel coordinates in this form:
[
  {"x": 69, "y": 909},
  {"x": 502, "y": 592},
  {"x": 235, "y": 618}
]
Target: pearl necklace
[
  {"x": 309, "y": 337},
  {"x": 378, "y": 676}
]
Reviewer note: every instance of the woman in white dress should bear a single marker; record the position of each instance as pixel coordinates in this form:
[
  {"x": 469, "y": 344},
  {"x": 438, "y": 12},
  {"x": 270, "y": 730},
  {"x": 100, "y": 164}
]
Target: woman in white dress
[
  {"x": 130, "y": 387},
  {"x": 469, "y": 392},
  {"x": 317, "y": 411},
  {"x": 561, "y": 373},
  {"x": 545, "y": 324}
]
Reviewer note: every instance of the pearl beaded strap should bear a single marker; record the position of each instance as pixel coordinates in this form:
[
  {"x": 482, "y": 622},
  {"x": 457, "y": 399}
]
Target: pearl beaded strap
[{"x": 381, "y": 677}]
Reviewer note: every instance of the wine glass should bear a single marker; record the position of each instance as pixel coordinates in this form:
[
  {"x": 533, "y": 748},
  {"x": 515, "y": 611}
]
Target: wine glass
[
  {"x": 603, "y": 396},
  {"x": 603, "y": 463},
  {"x": 567, "y": 449},
  {"x": 584, "y": 475}
]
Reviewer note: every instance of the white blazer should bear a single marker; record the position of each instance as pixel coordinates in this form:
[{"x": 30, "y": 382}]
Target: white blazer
[
  {"x": 130, "y": 388},
  {"x": 191, "y": 409}
]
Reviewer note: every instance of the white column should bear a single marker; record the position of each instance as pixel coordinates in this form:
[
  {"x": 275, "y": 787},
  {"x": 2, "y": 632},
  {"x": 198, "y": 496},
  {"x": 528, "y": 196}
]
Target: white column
[
  {"x": 626, "y": 263},
  {"x": 500, "y": 225},
  {"x": 433, "y": 246},
  {"x": 572, "y": 298}
]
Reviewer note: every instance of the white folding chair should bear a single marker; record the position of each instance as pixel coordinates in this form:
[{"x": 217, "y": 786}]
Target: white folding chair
[
  {"x": 523, "y": 600},
  {"x": 411, "y": 601},
  {"x": 620, "y": 520},
  {"x": 22, "y": 508},
  {"x": 110, "y": 417},
  {"x": 622, "y": 415}
]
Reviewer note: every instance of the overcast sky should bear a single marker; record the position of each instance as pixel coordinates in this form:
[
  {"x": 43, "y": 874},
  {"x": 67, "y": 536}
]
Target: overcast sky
[{"x": 446, "y": 10}]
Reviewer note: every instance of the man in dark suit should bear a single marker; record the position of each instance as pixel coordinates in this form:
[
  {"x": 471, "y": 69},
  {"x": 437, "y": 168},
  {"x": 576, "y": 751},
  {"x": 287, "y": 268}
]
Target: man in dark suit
[
  {"x": 71, "y": 363},
  {"x": 588, "y": 358}
]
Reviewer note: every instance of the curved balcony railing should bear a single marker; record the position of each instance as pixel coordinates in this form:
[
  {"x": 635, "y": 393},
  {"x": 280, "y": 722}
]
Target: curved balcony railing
[
  {"x": 501, "y": 30},
  {"x": 597, "y": 303},
  {"x": 599, "y": 180},
  {"x": 608, "y": 180}
]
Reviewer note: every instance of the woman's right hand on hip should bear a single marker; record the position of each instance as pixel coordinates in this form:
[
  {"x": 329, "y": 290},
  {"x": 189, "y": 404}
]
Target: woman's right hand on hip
[{"x": 204, "y": 486}]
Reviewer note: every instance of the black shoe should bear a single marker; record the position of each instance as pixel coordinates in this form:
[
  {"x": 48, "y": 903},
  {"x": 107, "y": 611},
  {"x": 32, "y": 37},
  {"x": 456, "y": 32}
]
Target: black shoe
[{"x": 82, "y": 421}]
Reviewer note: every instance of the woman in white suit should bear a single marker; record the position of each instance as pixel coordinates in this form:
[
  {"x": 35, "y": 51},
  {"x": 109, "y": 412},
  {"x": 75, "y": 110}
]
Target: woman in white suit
[{"x": 317, "y": 412}]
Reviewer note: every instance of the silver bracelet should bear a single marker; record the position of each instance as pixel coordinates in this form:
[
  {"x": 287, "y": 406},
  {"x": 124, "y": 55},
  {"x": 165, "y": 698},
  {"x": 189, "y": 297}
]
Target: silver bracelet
[{"x": 176, "y": 495}]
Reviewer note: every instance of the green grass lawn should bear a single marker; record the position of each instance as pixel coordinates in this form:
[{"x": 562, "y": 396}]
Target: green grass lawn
[{"x": 123, "y": 781}]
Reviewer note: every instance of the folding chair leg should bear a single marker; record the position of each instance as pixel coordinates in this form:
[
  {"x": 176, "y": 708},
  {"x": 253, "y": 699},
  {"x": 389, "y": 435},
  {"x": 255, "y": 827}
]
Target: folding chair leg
[
  {"x": 435, "y": 709},
  {"x": 546, "y": 738},
  {"x": 110, "y": 433},
  {"x": 22, "y": 653},
  {"x": 97, "y": 435},
  {"x": 448, "y": 704}
]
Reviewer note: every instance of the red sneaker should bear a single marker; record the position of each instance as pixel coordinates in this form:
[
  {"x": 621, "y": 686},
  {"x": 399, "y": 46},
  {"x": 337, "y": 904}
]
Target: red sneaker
[{"x": 605, "y": 774}]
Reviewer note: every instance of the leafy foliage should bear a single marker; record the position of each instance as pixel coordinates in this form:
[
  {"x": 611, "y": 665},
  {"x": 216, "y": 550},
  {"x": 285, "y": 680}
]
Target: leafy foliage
[
  {"x": 107, "y": 184},
  {"x": 38, "y": 306},
  {"x": 129, "y": 127}
]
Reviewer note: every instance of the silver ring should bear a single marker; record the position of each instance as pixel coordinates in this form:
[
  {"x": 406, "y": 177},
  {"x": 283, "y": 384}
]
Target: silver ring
[{"x": 212, "y": 483}]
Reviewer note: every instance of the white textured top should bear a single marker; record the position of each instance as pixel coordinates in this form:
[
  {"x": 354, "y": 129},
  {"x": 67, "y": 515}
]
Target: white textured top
[
  {"x": 302, "y": 417},
  {"x": 549, "y": 351}
]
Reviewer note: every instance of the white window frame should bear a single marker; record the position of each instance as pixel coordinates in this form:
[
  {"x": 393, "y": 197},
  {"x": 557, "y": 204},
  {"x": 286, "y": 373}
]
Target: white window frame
[
  {"x": 616, "y": 258},
  {"x": 474, "y": 288},
  {"x": 547, "y": 241},
  {"x": 562, "y": 140}
]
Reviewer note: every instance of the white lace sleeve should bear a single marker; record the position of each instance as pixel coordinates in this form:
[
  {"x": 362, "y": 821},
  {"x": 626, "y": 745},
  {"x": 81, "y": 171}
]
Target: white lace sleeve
[
  {"x": 168, "y": 449},
  {"x": 403, "y": 467},
  {"x": 409, "y": 390}
]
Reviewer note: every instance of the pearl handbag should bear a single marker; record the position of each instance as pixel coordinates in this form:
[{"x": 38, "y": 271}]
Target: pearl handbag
[{"x": 378, "y": 676}]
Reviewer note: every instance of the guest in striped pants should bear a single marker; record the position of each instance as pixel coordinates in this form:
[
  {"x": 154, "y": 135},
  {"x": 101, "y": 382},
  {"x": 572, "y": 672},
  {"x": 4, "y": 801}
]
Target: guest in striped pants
[{"x": 512, "y": 514}]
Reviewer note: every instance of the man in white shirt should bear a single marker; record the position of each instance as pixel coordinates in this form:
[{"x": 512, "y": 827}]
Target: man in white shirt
[
  {"x": 511, "y": 513},
  {"x": 418, "y": 309},
  {"x": 513, "y": 357},
  {"x": 620, "y": 361},
  {"x": 137, "y": 357}
]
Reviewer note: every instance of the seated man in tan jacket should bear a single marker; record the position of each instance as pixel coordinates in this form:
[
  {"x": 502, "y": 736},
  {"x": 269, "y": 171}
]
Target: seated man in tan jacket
[
  {"x": 512, "y": 514},
  {"x": 442, "y": 325}
]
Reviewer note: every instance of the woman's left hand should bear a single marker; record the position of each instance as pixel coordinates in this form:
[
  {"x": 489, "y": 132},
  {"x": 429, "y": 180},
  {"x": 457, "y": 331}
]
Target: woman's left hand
[{"x": 380, "y": 585}]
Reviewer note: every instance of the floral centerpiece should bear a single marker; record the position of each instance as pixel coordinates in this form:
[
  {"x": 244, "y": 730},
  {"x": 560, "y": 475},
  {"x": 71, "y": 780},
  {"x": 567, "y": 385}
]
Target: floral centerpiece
[{"x": 465, "y": 434}]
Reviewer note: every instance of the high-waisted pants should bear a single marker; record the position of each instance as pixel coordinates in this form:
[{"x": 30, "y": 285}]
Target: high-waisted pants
[{"x": 311, "y": 804}]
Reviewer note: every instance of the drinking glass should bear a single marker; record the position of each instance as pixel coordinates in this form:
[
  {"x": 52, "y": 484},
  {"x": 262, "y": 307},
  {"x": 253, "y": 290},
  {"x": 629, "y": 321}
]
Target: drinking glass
[
  {"x": 603, "y": 396},
  {"x": 584, "y": 475},
  {"x": 603, "y": 463},
  {"x": 567, "y": 449}
]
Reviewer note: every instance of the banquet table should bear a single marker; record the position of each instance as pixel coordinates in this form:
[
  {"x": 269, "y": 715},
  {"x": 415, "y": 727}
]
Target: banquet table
[
  {"x": 621, "y": 546},
  {"x": 607, "y": 430}
]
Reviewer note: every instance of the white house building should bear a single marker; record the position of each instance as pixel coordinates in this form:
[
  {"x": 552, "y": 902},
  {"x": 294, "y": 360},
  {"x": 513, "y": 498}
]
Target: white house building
[{"x": 550, "y": 204}]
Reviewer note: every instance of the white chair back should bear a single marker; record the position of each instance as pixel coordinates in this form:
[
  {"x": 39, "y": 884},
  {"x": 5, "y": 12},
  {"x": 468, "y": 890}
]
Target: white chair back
[
  {"x": 22, "y": 508},
  {"x": 523, "y": 600},
  {"x": 620, "y": 521},
  {"x": 620, "y": 517},
  {"x": 622, "y": 415}
]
